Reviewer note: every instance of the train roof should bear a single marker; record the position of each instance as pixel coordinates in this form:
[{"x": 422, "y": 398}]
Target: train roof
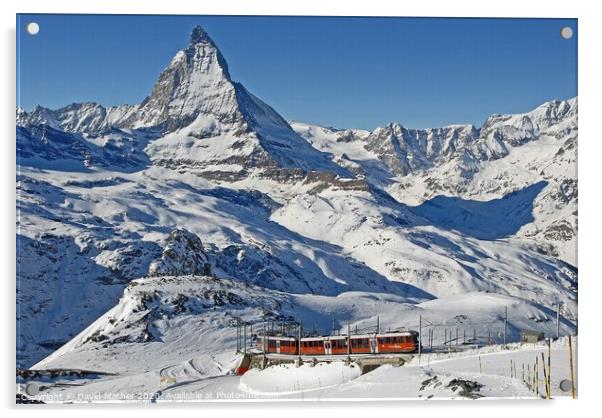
[
  {"x": 344, "y": 336},
  {"x": 277, "y": 337}
]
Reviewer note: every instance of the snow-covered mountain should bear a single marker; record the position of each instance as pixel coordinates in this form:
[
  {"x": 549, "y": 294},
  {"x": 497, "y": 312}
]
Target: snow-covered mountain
[
  {"x": 198, "y": 119},
  {"x": 515, "y": 176},
  {"x": 135, "y": 220}
]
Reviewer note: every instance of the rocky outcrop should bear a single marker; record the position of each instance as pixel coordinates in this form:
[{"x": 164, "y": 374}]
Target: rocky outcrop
[{"x": 183, "y": 255}]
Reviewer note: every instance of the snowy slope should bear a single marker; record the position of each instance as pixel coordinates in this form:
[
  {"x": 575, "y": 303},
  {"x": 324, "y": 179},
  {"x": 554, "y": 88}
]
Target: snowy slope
[
  {"x": 176, "y": 335},
  {"x": 85, "y": 236},
  {"x": 161, "y": 321},
  {"x": 440, "y": 378}
]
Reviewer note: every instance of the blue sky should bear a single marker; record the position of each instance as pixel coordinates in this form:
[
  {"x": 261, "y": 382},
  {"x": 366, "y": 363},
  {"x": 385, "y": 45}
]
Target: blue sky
[{"x": 342, "y": 72}]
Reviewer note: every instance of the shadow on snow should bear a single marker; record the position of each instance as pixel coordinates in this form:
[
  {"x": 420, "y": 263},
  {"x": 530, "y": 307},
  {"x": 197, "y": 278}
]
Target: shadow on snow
[{"x": 487, "y": 220}]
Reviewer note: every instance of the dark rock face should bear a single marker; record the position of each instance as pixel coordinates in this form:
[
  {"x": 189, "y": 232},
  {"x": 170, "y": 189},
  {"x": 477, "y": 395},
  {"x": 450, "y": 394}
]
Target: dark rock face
[
  {"x": 467, "y": 388},
  {"x": 405, "y": 151}
]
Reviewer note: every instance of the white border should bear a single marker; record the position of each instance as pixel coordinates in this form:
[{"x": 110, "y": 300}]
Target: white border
[{"x": 590, "y": 154}]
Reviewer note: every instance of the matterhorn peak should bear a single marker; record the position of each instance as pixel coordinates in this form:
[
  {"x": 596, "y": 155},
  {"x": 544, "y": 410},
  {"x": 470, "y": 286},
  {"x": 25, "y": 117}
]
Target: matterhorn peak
[
  {"x": 198, "y": 36},
  {"x": 195, "y": 82}
]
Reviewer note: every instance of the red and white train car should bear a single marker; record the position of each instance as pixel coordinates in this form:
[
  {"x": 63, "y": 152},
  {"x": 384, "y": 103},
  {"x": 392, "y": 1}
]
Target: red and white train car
[
  {"x": 275, "y": 344},
  {"x": 397, "y": 342},
  {"x": 390, "y": 342},
  {"x": 329, "y": 345}
]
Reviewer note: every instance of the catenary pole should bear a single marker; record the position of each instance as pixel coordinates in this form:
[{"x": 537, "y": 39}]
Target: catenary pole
[
  {"x": 505, "y": 323},
  {"x": 419, "y": 338}
]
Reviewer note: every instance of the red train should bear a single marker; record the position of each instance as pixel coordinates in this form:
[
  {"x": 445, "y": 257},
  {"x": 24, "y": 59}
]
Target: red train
[{"x": 391, "y": 342}]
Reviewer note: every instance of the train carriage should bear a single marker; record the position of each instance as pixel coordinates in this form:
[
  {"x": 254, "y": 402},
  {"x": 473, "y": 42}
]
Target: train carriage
[
  {"x": 327, "y": 345},
  {"x": 278, "y": 345},
  {"x": 398, "y": 342},
  {"x": 390, "y": 342},
  {"x": 363, "y": 344},
  {"x": 336, "y": 345},
  {"x": 313, "y": 346}
]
